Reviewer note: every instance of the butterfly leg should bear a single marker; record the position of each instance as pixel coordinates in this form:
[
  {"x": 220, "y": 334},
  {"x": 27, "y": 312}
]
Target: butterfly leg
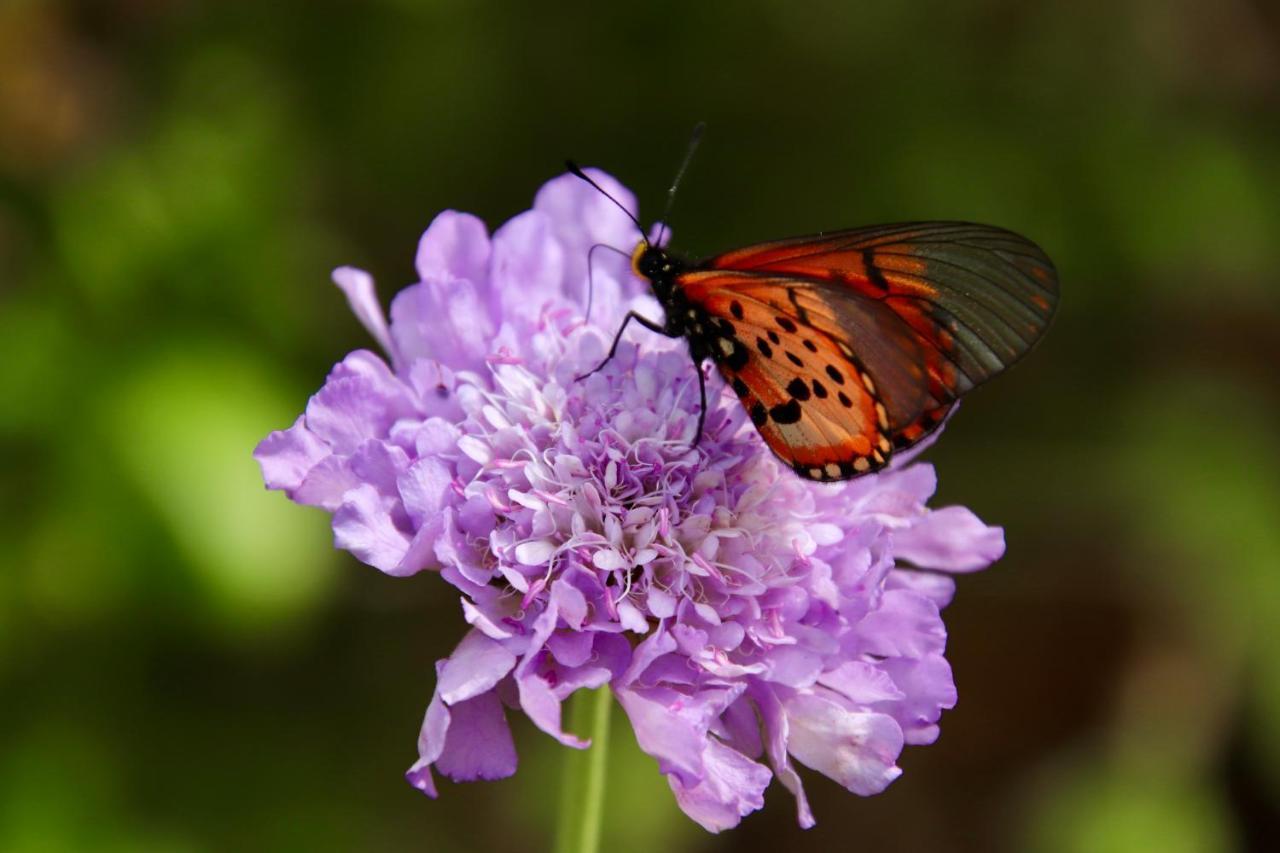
[{"x": 617, "y": 339}]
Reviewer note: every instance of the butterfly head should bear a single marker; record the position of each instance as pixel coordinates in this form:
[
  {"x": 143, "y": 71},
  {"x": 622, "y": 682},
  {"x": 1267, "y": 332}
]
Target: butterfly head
[{"x": 655, "y": 264}]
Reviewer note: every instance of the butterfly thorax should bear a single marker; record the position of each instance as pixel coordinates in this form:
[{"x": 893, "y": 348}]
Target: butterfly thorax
[{"x": 708, "y": 336}]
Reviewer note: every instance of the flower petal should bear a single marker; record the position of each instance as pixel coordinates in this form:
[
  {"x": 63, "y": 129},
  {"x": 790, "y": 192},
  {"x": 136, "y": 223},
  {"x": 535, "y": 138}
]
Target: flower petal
[
  {"x": 542, "y": 706},
  {"x": 905, "y": 625},
  {"x": 476, "y": 665},
  {"x": 951, "y": 539},
  {"x": 455, "y": 245},
  {"x": 360, "y": 401},
  {"x": 363, "y": 299},
  {"x": 528, "y": 266},
  {"x": 423, "y": 488},
  {"x": 363, "y": 526},
  {"x": 287, "y": 456},
  {"x": 445, "y": 319},
  {"x": 581, "y": 217},
  {"x": 857, "y": 749},
  {"x": 862, "y": 683},
  {"x": 777, "y": 731},
  {"x": 732, "y": 786},
  {"x": 926, "y": 689},
  {"x": 479, "y": 744},
  {"x": 431, "y": 740}
]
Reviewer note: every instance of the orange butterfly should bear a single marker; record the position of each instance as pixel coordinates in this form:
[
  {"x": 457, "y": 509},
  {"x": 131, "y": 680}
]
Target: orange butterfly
[{"x": 849, "y": 345}]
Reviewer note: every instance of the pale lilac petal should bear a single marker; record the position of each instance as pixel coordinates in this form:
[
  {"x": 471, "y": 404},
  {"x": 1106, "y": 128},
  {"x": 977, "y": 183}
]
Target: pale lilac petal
[
  {"x": 583, "y": 677},
  {"x": 363, "y": 299},
  {"x": 454, "y": 246},
  {"x": 479, "y": 745},
  {"x": 379, "y": 464},
  {"x": 287, "y": 456},
  {"x": 527, "y": 268},
  {"x": 899, "y": 495},
  {"x": 363, "y": 526},
  {"x": 571, "y": 648},
  {"x": 484, "y": 622},
  {"x": 905, "y": 625},
  {"x": 938, "y": 588},
  {"x": 447, "y": 320},
  {"x": 657, "y": 644},
  {"x": 731, "y": 787},
  {"x": 777, "y": 733},
  {"x": 476, "y": 665},
  {"x": 422, "y": 551},
  {"x": 437, "y": 389},
  {"x": 863, "y": 683},
  {"x": 327, "y": 483},
  {"x": 540, "y": 703},
  {"x": 431, "y": 741},
  {"x": 419, "y": 776},
  {"x": 360, "y": 401},
  {"x": 672, "y": 727},
  {"x": 739, "y": 728},
  {"x": 927, "y": 689},
  {"x": 950, "y": 539},
  {"x": 565, "y": 604},
  {"x": 794, "y": 666},
  {"x": 424, "y": 488},
  {"x": 857, "y": 749},
  {"x": 580, "y": 218}
]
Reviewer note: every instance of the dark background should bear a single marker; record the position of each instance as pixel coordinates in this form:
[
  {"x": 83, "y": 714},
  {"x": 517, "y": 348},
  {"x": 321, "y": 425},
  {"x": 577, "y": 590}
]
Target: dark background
[{"x": 185, "y": 665}]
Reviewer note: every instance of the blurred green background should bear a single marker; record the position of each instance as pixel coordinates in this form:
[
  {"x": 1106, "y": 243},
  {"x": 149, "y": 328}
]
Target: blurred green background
[{"x": 186, "y": 665}]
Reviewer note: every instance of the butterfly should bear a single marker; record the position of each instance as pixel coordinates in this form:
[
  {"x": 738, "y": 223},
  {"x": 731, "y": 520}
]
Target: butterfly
[{"x": 847, "y": 346}]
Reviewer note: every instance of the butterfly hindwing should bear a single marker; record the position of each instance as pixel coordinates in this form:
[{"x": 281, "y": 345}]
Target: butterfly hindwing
[{"x": 817, "y": 408}]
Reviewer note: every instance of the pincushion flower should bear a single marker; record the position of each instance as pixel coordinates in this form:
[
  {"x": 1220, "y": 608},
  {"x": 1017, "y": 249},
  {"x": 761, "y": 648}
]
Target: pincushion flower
[{"x": 745, "y": 619}]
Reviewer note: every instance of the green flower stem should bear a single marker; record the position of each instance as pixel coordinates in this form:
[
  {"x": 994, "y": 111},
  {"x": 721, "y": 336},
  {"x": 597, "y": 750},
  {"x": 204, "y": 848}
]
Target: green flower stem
[{"x": 582, "y": 786}]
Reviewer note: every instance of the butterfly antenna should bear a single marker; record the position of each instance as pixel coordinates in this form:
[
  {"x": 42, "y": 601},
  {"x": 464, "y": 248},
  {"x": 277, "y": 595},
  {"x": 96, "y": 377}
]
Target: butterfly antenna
[
  {"x": 694, "y": 140},
  {"x": 576, "y": 171}
]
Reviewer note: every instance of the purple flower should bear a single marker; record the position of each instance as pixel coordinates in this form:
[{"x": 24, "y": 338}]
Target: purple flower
[{"x": 745, "y": 619}]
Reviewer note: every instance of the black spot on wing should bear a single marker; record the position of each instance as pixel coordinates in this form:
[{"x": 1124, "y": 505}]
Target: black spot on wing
[
  {"x": 738, "y": 356},
  {"x": 798, "y": 389},
  {"x": 785, "y": 413}
]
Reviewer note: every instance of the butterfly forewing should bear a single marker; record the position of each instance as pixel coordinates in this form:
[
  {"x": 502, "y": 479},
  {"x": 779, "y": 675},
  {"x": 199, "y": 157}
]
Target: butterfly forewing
[
  {"x": 909, "y": 316},
  {"x": 979, "y": 296}
]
